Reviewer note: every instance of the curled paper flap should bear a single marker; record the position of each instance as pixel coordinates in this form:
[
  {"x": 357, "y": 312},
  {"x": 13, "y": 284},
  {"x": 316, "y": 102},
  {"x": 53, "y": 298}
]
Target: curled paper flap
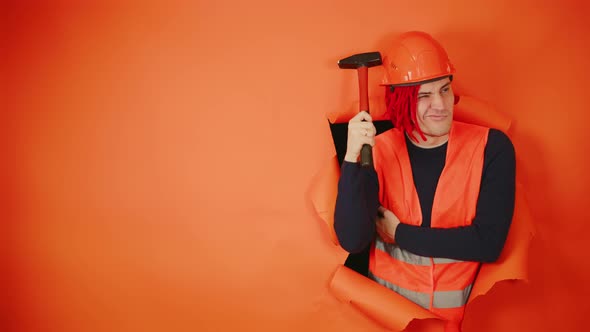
[
  {"x": 377, "y": 110},
  {"x": 512, "y": 262},
  {"x": 387, "y": 308},
  {"x": 323, "y": 192},
  {"x": 471, "y": 110}
]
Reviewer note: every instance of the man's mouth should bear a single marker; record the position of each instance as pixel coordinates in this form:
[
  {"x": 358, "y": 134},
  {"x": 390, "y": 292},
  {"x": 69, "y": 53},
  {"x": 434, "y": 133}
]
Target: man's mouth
[{"x": 437, "y": 117}]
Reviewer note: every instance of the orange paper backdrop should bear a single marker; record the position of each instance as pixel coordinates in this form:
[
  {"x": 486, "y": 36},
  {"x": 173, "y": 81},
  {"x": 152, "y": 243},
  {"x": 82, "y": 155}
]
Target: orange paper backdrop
[{"x": 157, "y": 157}]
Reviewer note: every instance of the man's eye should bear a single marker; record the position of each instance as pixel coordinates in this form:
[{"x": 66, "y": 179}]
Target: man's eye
[
  {"x": 446, "y": 89},
  {"x": 422, "y": 96}
]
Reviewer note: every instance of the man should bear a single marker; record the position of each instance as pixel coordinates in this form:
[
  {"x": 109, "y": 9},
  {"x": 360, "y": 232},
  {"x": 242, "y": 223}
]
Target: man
[{"x": 440, "y": 198}]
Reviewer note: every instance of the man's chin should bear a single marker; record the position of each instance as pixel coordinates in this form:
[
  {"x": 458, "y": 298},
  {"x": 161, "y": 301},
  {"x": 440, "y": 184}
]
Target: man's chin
[{"x": 438, "y": 132}]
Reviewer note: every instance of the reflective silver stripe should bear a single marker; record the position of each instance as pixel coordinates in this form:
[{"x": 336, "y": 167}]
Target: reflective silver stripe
[
  {"x": 451, "y": 299},
  {"x": 421, "y": 299},
  {"x": 400, "y": 254},
  {"x": 438, "y": 260},
  {"x": 442, "y": 299}
]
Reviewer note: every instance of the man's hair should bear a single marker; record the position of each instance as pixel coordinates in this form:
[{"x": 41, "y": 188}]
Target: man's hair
[{"x": 401, "y": 103}]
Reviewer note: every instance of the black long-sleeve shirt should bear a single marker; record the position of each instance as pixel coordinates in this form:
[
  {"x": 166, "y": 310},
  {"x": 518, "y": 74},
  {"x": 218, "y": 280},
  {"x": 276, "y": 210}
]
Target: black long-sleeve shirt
[{"x": 482, "y": 241}]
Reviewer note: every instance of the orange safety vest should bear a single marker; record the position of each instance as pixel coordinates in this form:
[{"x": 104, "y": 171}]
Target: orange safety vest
[{"x": 440, "y": 285}]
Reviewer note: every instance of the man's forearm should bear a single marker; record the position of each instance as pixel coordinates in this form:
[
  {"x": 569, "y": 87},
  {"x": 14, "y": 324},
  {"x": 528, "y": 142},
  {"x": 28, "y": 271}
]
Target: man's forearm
[
  {"x": 484, "y": 239},
  {"x": 356, "y": 207},
  {"x": 470, "y": 243}
]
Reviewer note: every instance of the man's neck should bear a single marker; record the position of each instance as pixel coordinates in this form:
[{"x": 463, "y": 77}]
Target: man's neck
[{"x": 431, "y": 141}]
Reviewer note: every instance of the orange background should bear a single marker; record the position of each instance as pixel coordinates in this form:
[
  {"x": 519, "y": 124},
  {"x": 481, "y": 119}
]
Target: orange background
[{"x": 157, "y": 157}]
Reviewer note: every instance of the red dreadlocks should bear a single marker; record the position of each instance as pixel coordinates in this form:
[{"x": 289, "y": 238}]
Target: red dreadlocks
[{"x": 401, "y": 106}]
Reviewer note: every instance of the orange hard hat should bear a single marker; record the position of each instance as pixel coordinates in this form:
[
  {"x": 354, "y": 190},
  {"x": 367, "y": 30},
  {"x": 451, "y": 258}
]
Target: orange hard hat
[{"x": 413, "y": 58}]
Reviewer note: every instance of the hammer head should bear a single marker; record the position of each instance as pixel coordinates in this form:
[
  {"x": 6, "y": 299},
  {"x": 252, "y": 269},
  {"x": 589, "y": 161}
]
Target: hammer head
[{"x": 369, "y": 59}]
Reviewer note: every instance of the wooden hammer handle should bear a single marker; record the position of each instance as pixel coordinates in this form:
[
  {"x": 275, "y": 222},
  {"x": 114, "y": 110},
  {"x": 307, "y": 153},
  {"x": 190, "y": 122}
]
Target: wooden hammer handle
[{"x": 366, "y": 151}]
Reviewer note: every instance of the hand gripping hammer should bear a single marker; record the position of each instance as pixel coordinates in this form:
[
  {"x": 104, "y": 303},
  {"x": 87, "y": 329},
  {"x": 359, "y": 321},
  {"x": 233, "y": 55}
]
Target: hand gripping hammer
[{"x": 361, "y": 62}]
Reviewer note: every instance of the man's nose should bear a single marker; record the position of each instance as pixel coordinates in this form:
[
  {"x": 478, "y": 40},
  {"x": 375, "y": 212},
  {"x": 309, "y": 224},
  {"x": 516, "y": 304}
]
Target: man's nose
[{"x": 436, "y": 101}]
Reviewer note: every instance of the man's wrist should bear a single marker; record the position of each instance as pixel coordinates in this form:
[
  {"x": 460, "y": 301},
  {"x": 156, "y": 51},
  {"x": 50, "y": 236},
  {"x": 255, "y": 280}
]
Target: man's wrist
[{"x": 351, "y": 158}]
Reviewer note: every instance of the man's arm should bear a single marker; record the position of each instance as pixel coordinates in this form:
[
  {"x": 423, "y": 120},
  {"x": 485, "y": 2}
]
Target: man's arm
[
  {"x": 358, "y": 189},
  {"x": 356, "y": 207},
  {"x": 484, "y": 239}
]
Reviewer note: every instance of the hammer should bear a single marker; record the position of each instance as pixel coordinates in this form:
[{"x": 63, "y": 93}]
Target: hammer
[{"x": 361, "y": 62}]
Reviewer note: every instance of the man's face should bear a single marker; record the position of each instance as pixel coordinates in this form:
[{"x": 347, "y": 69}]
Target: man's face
[{"x": 435, "y": 108}]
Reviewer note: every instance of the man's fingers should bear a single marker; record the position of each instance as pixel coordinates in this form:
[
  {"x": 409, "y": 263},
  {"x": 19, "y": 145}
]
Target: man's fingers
[
  {"x": 379, "y": 226},
  {"x": 367, "y": 140},
  {"x": 368, "y": 126},
  {"x": 363, "y": 128},
  {"x": 365, "y": 116},
  {"x": 362, "y": 116},
  {"x": 362, "y": 135},
  {"x": 361, "y": 131},
  {"x": 385, "y": 236},
  {"x": 364, "y": 125},
  {"x": 381, "y": 211}
]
